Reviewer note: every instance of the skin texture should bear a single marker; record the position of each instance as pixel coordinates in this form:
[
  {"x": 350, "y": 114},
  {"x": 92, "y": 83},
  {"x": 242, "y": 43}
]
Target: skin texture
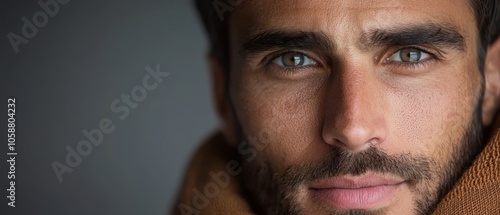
[{"x": 356, "y": 110}]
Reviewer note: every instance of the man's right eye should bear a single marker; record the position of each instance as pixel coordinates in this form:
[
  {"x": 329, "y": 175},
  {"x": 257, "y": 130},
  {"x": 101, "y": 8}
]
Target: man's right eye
[{"x": 294, "y": 59}]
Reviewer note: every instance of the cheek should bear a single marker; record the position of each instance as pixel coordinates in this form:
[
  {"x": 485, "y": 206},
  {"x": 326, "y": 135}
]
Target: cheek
[
  {"x": 289, "y": 112},
  {"x": 432, "y": 114}
]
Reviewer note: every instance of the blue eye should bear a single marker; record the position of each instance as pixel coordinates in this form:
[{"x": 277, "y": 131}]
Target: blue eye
[
  {"x": 409, "y": 55},
  {"x": 293, "y": 59}
]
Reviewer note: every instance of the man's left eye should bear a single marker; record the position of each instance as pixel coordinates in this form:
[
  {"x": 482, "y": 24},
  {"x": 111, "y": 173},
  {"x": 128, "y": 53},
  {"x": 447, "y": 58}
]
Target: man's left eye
[
  {"x": 409, "y": 55},
  {"x": 293, "y": 59}
]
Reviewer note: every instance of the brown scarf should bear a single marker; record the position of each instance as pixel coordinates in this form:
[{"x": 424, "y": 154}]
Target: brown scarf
[{"x": 206, "y": 192}]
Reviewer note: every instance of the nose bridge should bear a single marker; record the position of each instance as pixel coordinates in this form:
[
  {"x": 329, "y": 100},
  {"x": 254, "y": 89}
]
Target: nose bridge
[
  {"x": 353, "y": 114},
  {"x": 352, "y": 92}
]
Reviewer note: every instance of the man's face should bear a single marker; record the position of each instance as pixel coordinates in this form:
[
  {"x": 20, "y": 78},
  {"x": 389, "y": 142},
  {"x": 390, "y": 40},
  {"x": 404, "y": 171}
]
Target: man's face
[{"x": 369, "y": 106}]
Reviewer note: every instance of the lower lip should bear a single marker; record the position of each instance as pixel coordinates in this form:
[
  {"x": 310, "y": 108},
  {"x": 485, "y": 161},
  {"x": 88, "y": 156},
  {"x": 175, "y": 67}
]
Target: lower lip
[{"x": 359, "y": 198}]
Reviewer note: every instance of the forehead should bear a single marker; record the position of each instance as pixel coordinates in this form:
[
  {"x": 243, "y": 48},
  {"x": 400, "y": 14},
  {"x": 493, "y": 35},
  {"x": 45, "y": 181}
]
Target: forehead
[{"x": 340, "y": 18}]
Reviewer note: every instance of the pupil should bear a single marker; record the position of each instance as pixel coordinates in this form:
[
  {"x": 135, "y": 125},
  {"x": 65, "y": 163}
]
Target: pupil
[
  {"x": 293, "y": 59},
  {"x": 410, "y": 55}
]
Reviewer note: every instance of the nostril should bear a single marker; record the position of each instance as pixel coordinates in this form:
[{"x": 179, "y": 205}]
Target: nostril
[{"x": 354, "y": 137}]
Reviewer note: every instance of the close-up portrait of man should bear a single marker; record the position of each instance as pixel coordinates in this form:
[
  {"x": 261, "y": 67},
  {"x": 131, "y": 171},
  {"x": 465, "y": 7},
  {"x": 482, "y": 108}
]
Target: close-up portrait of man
[{"x": 349, "y": 107}]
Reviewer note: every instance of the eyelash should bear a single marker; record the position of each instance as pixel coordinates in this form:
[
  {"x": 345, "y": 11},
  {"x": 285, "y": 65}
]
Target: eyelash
[
  {"x": 268, "y": 61},
  {"x": 412, "y": 65}
]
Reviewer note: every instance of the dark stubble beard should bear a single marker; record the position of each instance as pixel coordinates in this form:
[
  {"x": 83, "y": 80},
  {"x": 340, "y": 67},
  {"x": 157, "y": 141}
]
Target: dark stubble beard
[{"x": 273, "y": 193}]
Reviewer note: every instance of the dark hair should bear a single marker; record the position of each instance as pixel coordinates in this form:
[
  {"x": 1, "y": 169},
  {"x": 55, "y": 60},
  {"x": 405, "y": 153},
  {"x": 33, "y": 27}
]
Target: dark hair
[{"x": 487, "y": 13}]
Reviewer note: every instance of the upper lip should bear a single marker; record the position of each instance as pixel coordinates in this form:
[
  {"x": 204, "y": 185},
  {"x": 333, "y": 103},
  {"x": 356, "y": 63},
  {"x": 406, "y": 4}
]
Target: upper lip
[{"x": 355, "y": 182}]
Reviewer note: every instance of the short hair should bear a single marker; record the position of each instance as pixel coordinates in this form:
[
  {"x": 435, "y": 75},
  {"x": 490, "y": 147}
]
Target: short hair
[{"x": 487, "y": 14}]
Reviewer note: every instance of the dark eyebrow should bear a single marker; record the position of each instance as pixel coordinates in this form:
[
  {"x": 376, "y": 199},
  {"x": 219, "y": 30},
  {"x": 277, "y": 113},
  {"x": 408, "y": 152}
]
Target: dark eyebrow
[
  {"x": 270, "y": 40},
  {"x": 429, "y": 34}
]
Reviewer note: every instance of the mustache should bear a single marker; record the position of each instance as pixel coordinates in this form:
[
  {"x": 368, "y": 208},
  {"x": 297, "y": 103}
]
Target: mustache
[{"x": 341, "y": 162}]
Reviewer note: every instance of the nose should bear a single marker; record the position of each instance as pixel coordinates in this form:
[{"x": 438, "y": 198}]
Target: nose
[{"x": 355, "y": 109}]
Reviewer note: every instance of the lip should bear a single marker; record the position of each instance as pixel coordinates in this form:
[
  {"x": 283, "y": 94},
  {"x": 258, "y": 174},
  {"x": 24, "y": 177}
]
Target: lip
[{"x": 359, "y": 192}]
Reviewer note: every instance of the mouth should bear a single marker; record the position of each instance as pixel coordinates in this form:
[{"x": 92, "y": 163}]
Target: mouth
[{"x": 367, "y": 191}]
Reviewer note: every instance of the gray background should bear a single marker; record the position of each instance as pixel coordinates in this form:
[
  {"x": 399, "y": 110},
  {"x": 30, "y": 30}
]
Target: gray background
[{"x": 64, "y": 80}]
